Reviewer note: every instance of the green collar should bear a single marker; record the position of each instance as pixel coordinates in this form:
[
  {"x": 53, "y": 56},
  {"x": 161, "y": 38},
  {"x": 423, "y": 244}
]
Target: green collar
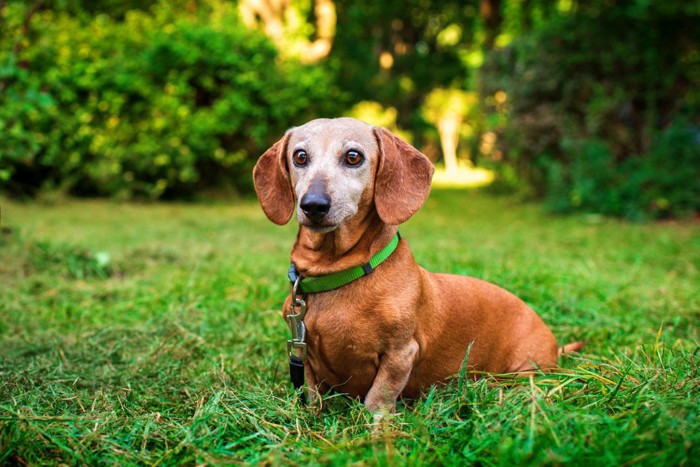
[{"x": 336, "y": 280}]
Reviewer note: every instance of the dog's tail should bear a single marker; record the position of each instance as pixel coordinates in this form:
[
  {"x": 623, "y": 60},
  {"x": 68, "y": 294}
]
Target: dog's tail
[{"x": 572, "y": 347}]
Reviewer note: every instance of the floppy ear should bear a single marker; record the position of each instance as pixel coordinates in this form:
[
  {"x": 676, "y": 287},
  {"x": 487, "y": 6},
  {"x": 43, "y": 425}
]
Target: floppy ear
[
  {"x": 403, "y": 178},
  {"x": 272, "y": 183}
]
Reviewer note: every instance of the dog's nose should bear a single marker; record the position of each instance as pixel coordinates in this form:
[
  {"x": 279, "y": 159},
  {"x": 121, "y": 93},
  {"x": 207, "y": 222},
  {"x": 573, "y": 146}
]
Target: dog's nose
[{"x": 315, "y": 205}]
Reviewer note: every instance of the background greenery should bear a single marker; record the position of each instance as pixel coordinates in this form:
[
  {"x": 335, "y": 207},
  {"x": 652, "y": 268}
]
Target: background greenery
[
  {"x": 119, "y": 347},
  {"x": 150, "y": 333},
  {"x": 591, "y": 105},
  {"x": 150, "y": 103}
]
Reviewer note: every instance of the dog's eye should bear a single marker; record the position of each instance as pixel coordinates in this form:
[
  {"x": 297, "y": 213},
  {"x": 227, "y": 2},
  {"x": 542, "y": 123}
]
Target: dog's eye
[
  {"x": 300, "y": 158},
  {"x": 353, "y": 157}
]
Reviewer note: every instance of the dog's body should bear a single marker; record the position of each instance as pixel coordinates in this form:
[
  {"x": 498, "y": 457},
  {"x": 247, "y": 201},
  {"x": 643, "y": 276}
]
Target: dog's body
[{"x": 401, "y": 328}]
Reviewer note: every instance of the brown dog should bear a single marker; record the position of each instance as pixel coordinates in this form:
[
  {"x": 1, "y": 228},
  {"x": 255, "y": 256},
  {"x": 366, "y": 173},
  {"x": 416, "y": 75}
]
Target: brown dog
[{"x": 399, "y": 329}]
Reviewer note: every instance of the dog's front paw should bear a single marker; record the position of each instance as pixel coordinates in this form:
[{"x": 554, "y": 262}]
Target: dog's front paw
[
  {"x": 315, "y": 401},
  {"x": 382, "y": 421}
]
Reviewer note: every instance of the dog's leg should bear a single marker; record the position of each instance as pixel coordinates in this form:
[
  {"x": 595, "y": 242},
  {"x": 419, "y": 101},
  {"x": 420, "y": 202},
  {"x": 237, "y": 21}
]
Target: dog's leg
[
  {"x": 315, "y": 400},
  {"x": 394, "y": 369}
]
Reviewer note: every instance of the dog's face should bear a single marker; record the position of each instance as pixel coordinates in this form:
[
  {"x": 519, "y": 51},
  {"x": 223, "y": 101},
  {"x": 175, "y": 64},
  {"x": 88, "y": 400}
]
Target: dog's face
[{"x": 333, "y": 168}]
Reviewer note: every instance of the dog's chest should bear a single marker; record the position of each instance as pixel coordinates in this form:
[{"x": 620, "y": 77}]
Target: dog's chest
[
  {"x": 342, "y": 325},
  {"x": 341, "y": 332},
  {"x": 343, "y": 348}
]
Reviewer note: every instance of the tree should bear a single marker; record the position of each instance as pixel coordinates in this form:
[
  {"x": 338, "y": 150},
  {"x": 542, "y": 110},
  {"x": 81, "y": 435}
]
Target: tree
[
  {"x": 447, "y": 109},
  {"x": 492, "y": 17},
  {"x": 396, "y": 51},
  {"x": 602, "y": 105},
  {"x": 284, "y": 22}
]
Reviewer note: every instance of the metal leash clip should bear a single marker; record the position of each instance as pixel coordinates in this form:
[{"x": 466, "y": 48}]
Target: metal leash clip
[{"x": 296, "y": 323}]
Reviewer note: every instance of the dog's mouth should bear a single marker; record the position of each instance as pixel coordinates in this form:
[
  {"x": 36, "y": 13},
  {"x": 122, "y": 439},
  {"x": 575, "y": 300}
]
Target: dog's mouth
[{"x": 320, "y": 226}]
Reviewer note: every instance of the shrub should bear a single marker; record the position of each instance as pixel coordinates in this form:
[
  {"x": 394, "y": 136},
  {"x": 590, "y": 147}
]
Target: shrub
[
  {"x": 159, "y": 104},
  {"x": 600, "y": 107}
]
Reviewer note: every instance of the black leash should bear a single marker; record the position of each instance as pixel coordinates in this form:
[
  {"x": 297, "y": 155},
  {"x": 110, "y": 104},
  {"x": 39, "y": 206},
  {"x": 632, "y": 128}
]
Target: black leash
[{"x": 296, "y": 374}]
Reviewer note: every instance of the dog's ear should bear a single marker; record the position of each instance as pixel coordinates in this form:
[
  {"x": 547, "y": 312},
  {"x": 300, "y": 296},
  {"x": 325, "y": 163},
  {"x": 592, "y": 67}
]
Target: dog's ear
[
  {"x": 272, "y": 183},
  {"x": 403, "y": 178}
]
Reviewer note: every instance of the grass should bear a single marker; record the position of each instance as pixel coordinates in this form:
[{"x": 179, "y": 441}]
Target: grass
[{"x": 151, "y": 334}]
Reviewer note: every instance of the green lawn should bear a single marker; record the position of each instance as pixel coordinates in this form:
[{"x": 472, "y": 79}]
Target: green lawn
[{"x": 150, "y": 334}]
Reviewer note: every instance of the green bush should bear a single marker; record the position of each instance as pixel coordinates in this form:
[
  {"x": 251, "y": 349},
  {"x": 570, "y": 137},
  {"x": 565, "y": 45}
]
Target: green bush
[
  {"x": 635, "y": 188},
  {"x": 162, "y": 103},
  {"x": 601, "y": 107}
]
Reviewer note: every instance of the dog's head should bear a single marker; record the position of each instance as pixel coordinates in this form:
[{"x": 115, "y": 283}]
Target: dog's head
[{"x": 334, "y": 168}]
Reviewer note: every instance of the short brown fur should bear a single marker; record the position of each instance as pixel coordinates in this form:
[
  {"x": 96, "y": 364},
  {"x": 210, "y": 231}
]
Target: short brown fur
[{"x": 401, "y": 329}]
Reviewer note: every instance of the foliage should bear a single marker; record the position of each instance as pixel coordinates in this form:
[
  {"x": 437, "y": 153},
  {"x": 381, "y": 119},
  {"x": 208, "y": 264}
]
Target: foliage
[
  {"x": 591, "y": 104},
  {"x": 454, "y": 114},
  {"x": 445, "y": 103},
  {"x": 428, "y": 44},
  {"x": 374, "y": 113},
  {"x": 636, "y": 187},
  {"x": 159, "y": 104},
  {"x": 179, "y": 358},
  {"x": 601, "y": 108}
]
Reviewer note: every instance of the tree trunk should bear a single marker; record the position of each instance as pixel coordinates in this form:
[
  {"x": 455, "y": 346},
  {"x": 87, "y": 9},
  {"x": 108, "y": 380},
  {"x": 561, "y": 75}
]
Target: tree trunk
[
  {"x": 271, "y": 13},
  {"x": 448, "y": 127},
  {"x": 325, "y": 32},
  {"x": 491, "y": 14}
]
